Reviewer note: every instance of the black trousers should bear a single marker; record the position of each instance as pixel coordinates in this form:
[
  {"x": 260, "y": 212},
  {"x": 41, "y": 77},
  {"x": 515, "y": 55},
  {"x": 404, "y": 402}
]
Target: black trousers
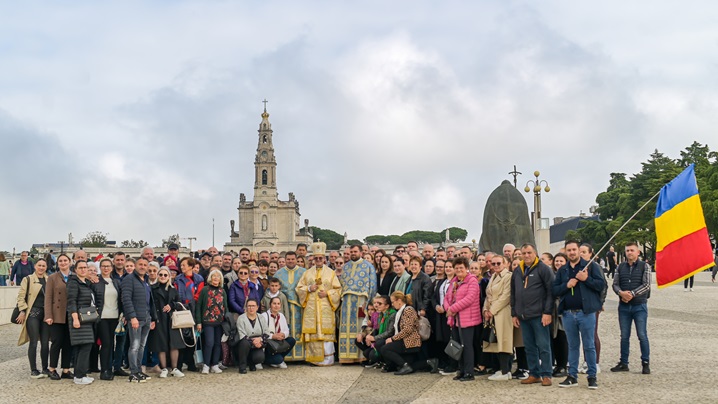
[
  {"x": 397, "y": 354},
  {"x": 685, "y": 282},
  {"x": 521, "y": 361},
  {"x": 82, "y": 363},
  {"x": 466, "y": 363},
  {"x": 560, "y": 349},
  {"x": 106, "y": 332},
  {"x": 38, "y": 331},
  {"x": 478, "y": 343},
  {"x": 249, "y": 354},
  {"x": 60, "y": 337},
  {"x": 504, "y": 360}
]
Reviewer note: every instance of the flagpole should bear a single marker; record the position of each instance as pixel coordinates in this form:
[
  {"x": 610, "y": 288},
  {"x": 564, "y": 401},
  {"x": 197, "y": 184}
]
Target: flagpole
[{"x": 621, "y": 228}]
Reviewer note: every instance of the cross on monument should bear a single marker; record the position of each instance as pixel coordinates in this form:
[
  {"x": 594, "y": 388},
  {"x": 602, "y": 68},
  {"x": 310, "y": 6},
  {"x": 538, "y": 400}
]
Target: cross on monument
[
  {"x": 265, "y": 108},
  {"x": 515, "y": 174}
]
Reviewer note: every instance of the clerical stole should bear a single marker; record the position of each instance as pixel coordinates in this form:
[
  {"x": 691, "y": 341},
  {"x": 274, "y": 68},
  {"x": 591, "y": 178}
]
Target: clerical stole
[
  {"x": 290, "y": 278},
  {"x": 359, "y": 285}
]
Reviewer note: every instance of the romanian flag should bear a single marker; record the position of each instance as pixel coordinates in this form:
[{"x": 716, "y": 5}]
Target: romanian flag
[{"x": 683, "y": 247}]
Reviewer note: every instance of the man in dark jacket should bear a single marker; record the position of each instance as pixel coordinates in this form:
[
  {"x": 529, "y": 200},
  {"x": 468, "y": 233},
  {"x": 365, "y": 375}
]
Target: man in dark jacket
[
  {"x": 140, "y": 314},
  {"x": 579, "y": 289},
  {"x": 22, "y": 268},
  {"x": 531, "y": 308},
  {"x": 632, "y": 284}
]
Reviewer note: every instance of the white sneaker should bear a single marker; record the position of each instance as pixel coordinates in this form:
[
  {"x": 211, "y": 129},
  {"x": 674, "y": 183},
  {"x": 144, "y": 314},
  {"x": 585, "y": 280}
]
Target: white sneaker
[
  {"x": 500, "y": 377},
  {"x": 92, "y": 379},
  {"x": 164, "y": 373},
  {"x": 691, "y": 289},
  {"x": 205, "y": 370},
  {"x": 598, "y": 368},
  {"x": 215, "y": 369},
  {"x": 583, "y": 368},
  {"x": 259, "y": 366},
  {"x": 177, "y": 373},
  {"x": 82, "y": 380},
  {"x": 283, "y": 365},
  {"x": 685, "y": 289}
]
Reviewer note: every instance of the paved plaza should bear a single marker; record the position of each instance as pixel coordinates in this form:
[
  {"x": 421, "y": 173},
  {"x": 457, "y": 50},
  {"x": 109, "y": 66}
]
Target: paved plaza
[{"x": 683, "y": 330}]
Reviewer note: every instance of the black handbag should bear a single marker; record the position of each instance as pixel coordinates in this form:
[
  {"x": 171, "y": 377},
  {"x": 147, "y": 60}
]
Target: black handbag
[
  {"x": 488, "y": 334},
  {"x": 15, "y": 314},
  {"x": 88, "y": 314},
  {"x": 277, "y": 347},
  {"x": 454, "y": 349}
]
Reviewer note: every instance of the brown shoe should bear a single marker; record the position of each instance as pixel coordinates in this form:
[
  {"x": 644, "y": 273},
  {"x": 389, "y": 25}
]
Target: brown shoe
[
  {"x": 546, "y": 381},
  {"x": 531, "y": 380}
]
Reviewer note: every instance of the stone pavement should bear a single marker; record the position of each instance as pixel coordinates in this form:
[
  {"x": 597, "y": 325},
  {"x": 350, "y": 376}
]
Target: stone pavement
[{"x": 683, "y": 330}]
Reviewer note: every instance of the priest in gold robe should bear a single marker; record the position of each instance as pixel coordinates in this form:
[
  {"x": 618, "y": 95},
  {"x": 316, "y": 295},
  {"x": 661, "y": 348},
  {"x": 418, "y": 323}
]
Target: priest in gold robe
[{"x": 319, "y": 293}]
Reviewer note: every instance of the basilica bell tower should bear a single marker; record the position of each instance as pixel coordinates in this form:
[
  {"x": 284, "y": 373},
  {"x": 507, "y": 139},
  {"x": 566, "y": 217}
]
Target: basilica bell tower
[{"x": 265, "y": 165}]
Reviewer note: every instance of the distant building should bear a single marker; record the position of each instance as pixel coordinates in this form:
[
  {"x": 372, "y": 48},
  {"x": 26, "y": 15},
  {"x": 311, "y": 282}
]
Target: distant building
[
  {"x": 266, "y": 223},
  {"x": 562, "y": 225}
]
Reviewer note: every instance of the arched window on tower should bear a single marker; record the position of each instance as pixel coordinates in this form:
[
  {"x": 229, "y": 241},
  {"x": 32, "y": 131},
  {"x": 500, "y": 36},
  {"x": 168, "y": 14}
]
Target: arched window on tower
[
  {"x": 265, "y": 225},
  {"x": 264, "y": 139},
  {"x": 264, "y": 125},
  {"x": 264, "y": 177}
]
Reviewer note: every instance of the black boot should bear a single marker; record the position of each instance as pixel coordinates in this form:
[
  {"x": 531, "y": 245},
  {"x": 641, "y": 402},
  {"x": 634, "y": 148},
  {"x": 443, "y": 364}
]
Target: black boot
[{"x": 405, "y": 370}]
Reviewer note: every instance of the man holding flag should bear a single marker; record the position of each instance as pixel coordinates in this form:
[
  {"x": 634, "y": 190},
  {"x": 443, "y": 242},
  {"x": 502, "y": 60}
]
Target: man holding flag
[{"x": 632, "y": 283}]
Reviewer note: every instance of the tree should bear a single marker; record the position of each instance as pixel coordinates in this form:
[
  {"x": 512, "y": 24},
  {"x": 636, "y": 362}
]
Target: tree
[
  {"x": 332, "y": 239},
  {"x": 94, "y": 239},
  {"x": 174, "y": 238},
  {"x": 134, "y": 244}
]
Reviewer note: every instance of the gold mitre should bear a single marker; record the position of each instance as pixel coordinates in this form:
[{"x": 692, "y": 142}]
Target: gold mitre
[{"x": 319, "y": 248}]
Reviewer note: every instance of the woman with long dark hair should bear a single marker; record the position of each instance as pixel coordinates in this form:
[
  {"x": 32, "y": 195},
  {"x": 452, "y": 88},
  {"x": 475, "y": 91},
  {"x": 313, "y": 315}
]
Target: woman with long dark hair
[
  {"x": 384, "y": 275},
  {"x": 108, "y": 291},
  {"x": 56, "y": 318}
]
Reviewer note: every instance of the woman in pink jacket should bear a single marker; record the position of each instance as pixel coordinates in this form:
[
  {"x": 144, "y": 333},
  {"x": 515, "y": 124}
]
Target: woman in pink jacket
[{"x": 463, "y": 314}]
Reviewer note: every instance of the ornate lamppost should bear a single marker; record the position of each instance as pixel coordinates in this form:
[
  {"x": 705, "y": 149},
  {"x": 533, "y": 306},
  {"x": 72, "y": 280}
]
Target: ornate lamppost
[{"x": 536, "y": 186}]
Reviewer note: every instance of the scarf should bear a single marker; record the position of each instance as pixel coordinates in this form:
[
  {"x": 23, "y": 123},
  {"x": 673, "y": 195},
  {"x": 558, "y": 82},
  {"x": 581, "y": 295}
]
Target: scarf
[{"x": 384, "y": 319}]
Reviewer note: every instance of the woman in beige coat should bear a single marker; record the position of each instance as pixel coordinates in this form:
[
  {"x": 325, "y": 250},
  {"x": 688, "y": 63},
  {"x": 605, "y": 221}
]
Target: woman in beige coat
[
  {"x": 497, "y": 311},
  {"x": 31, "y": 303}
]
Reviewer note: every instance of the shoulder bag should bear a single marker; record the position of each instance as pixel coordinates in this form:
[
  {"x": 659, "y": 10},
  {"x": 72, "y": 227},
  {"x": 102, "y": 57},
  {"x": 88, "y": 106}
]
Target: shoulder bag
[
  {"x": 182, "y": 318},
  {"x": 489, "y": 333},
  {"x": 274, "y": 346},
  {"x": 88, "y": 314},
  {"x": 454, "y": 349},
  {"x": 16, "y": 310},
  {"x": 424, "y": 328}
]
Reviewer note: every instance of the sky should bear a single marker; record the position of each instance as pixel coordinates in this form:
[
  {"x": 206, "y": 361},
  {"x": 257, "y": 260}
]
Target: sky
[{"x": 139, "y": 119}]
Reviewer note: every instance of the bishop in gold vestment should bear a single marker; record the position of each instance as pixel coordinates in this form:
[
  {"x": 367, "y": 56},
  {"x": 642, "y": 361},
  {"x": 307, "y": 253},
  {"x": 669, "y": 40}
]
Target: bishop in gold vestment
[{"x": 319, "y": 293}]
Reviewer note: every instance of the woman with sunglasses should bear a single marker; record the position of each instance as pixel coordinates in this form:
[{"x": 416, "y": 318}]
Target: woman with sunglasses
[
  {"x": 242, "y": 290},
  {"x": 254, "y": 278},
  {"x": 497, "y": 310},
  {"x": 164, "y": 339}
]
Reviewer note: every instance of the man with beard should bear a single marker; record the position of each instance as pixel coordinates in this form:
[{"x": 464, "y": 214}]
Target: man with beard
[
  {"x": 358, "y": 280},
  {"x": 319, "y": 293},
  {"x": 244, "y": 255},
  {"x": 290, "y": 276}
]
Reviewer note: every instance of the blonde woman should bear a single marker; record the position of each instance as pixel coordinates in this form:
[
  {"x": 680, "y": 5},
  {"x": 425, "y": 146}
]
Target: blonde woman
[
  {"x": 164, "y": 339},
  {"x": 31, "y": 303},
  {"x": 497, "y": 310}
]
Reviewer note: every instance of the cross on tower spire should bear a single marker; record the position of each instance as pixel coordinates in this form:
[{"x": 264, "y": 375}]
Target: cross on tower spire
[{"x": 265, "y": 104}]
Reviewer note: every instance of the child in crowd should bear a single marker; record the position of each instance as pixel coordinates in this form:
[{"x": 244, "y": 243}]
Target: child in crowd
[{"x": 273, "y": 291}]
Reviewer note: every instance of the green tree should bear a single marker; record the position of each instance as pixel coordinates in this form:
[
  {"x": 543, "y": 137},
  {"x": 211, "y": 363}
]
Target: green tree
[
  {"x": 333, "y": 239},
  {"x": 174, "y": 238},
  {"x": 133, "y": 244},
  {"x": 94, "y": 239}
]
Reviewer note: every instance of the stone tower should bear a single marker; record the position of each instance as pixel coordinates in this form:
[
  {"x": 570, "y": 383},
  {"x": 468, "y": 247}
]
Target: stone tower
[{"x": 266, "y": 223}]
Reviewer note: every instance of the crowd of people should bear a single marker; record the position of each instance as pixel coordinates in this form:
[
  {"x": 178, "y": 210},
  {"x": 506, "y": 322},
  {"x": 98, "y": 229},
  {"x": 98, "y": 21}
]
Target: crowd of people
[{"x": 448, "y": 311}]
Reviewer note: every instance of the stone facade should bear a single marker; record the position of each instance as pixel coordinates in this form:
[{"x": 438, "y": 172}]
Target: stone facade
[{"x": 266, "y": 223}]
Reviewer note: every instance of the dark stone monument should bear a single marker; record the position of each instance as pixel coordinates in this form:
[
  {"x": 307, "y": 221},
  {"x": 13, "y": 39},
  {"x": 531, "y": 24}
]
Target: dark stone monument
[{"x": 506, "y": 220}]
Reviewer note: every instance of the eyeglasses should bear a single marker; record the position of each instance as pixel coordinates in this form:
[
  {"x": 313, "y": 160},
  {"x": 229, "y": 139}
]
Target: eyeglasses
[
  {"x": 163, "y": 276},
  {"x": 496, "y": 264},
  {"x": 253, "y": 272},
  {"x": 244, "y": 273}
]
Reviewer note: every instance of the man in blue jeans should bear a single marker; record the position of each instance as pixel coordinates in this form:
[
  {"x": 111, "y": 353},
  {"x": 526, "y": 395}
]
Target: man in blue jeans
[
  {"x": 140, "y": 315},
  {"x": 632, "y": 284},
  {"x": 578, "y": 287},
  {"x": 531, "y": 308}
]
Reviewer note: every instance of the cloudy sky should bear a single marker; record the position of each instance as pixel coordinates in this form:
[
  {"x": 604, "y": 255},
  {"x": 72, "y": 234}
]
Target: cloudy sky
[{"x": 139, "y": 119}]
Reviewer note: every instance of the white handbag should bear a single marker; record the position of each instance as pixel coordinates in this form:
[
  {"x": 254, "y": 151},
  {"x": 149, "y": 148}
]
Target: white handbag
[{"x": 182, "y": 318}]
